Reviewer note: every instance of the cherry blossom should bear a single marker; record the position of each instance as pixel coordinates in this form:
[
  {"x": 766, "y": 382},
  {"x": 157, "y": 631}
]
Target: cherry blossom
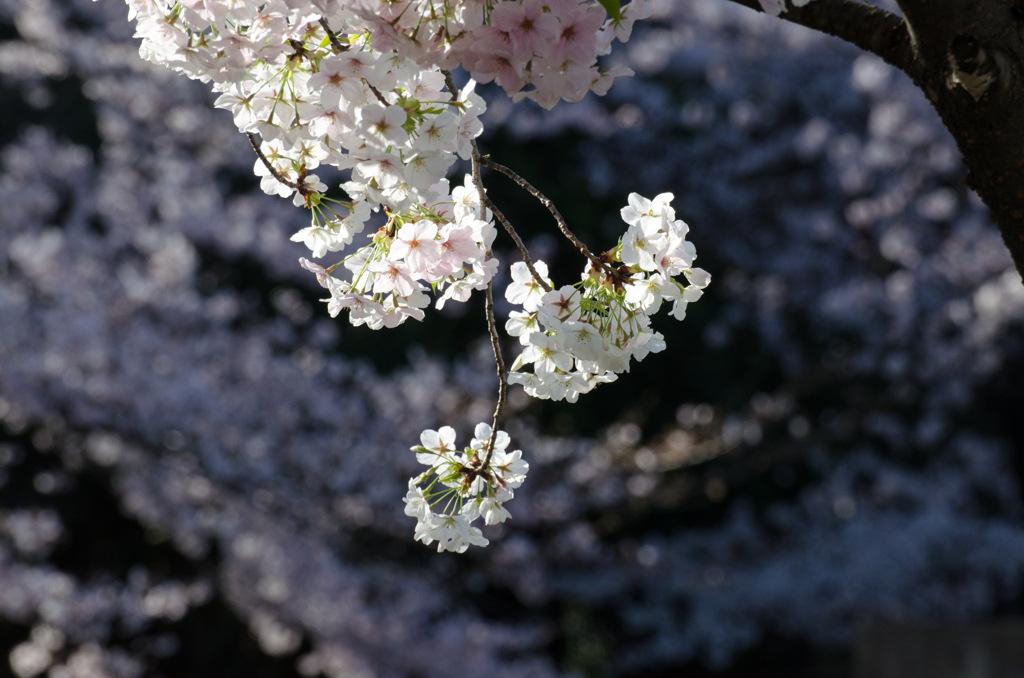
[{"x": 367, "y": 89}]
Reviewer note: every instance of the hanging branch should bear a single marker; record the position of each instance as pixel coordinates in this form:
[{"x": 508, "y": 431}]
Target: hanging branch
[
  {"x": 502, "y": 381},
  {"x": 492, "y": 329}
]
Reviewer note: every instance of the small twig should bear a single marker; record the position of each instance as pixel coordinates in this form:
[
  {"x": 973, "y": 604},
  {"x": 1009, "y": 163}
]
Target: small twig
[
  {"x": 502, "y": 381},
  {"x": 335, "y": 43},
  {"x": 450, "y": 84},
  {"x": 489, "y": 204},
  {"x": 301, "y": 188},
  {"x": 380, "y": 97},
  {"x": 562, "y": 226}
]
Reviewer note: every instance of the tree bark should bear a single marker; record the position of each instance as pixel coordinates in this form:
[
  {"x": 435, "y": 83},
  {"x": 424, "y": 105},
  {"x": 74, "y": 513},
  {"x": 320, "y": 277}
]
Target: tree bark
[{"x": 967, "y": 56}]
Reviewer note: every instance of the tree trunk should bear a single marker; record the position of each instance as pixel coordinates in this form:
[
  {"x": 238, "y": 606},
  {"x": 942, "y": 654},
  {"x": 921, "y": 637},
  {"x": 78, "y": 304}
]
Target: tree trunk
[{"x": 967, "y": 56}]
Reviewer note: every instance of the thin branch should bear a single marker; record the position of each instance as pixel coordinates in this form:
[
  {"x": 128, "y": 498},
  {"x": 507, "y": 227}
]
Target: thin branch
[
  {"x": 489, "y": 204},
  {"x": 519, "y": 243},
  {"x": 335, "y": 43},
  {"x": 562, "y": 226},
  {"x": 870, "y": 28},
  {"x": 449, "y": 82},
  {"x": 302, "y": 189},
  {"x": 502, "y": 381}
]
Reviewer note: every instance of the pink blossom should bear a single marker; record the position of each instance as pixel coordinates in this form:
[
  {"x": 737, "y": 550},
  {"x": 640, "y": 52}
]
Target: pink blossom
[
  {"x": 386, "y": 168},
  {"x": 415, "y": 243},
  {"x": 385, "y": 124},
  {"x": 333, "y": 124},
  {"x": 498, "y": 61},
  {"x": 340, "y": 77},
  {"x": 578, "y": 38},
  {"x": 531, "y": 29},
  {"x": 395, "y": 313},
  {"x": 457, "y": 244}
]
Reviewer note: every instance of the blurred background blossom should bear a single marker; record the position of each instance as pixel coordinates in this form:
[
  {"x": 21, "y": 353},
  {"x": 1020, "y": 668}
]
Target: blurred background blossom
[{"x": 201, "y": 473}]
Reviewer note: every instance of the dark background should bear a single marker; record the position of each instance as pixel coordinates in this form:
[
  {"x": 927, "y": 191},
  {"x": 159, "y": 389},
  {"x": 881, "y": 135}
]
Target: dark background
[{"x": 200, "y": 472}]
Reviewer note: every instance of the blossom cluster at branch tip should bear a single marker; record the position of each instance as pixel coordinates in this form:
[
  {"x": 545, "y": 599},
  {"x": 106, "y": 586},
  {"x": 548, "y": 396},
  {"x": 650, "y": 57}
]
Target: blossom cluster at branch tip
[
  {"x": 581, "y": 335},
  {"x": 460, "y": 486}
]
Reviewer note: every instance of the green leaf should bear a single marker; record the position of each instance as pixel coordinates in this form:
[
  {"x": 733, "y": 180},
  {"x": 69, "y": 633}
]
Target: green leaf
[
  {"x": 612, "y": 6},
  {"x": 410, "y": 124}
]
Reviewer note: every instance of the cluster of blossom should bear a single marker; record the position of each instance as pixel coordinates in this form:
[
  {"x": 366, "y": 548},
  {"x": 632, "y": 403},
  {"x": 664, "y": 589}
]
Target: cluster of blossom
[
  {"x": 552, "y": 45},
  {"x": 444, "y": 244},
  {"x": 369, "y": 97},
  {"x": 468, "y": 484},
  {"x": 584, "y": 334},
  {"x": 318, "y": 98}
]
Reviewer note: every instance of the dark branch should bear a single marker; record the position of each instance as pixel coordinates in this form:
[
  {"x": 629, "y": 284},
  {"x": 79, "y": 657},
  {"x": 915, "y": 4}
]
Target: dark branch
[
  {"x": 492, "y": 329},
  {"x": 870, "y": 28},
  {"x": 486, "y": 202}
]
